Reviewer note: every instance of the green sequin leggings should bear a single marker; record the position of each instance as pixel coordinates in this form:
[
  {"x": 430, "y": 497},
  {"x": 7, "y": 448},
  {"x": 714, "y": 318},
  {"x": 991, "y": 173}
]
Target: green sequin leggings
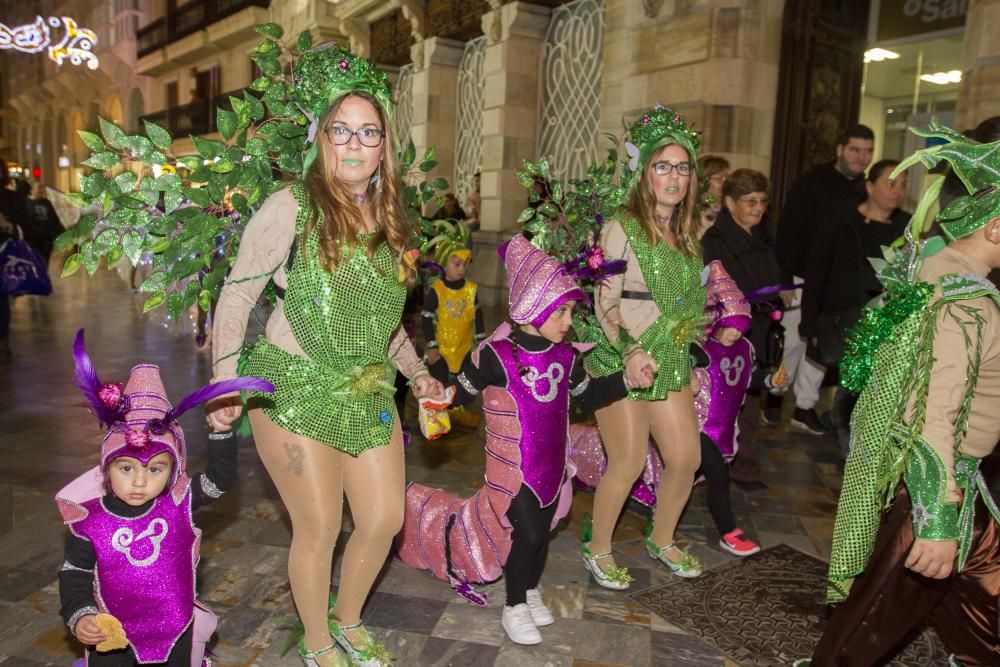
[{"x": 313, "y": 479}]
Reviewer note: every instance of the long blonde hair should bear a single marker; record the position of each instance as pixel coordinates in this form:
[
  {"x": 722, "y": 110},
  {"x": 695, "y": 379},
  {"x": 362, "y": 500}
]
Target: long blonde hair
[
  {"x": 334, "y": 202},
  {"x": 642, "y": 205}
]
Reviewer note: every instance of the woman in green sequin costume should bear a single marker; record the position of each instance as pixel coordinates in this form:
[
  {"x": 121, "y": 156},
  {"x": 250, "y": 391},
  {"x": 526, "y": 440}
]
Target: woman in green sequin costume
[
  {"x": 333, "y": 245},
  {"x": 654, "y": 309}
]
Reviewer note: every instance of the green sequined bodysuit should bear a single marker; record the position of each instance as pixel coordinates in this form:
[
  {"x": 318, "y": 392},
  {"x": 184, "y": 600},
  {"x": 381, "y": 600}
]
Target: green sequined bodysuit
[
  {"x": 674, "y": 280},
  {"x": 342, "y": 394}
]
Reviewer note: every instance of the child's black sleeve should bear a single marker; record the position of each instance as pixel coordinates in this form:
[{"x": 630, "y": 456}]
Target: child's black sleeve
[
  {"x": 76, "y": 581},
  {"x": 428, "y": 317},
  {"x": 594, "y": 392},
  {"x": 219, "y": 475},
  {"x": 473, "y": 378}
]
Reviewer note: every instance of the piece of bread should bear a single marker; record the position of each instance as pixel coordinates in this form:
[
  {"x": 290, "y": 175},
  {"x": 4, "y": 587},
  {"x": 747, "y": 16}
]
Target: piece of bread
[{"x": 112, "y": 628}]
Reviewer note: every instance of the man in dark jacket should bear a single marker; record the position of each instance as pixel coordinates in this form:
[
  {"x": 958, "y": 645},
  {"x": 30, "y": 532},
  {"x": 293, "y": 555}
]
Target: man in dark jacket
[{"x": 827, "y": 187}]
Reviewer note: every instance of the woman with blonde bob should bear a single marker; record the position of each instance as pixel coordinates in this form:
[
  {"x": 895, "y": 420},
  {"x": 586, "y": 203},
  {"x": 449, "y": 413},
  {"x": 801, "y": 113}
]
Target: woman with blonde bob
[
  {"x": 653, "y": 309},
  {"x": 334, "y": 244}
]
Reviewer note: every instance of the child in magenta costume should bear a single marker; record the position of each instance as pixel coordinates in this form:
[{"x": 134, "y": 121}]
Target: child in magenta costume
[
  {"x": 527, "y": 376},
  {"x": 725, "y": 373},
  {"x": 132, "y": 552}
]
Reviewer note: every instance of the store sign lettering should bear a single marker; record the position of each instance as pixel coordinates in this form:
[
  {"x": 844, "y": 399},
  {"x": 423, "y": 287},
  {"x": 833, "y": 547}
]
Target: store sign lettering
[{"x": 908, "y": 18}]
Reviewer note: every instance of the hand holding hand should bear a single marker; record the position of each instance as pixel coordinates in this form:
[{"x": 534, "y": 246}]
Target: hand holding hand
[
  {"x": 931, "y": 558},
  {"x": 87, "y": 632},
  {"x": 425, "y": 386},
  {"x": 223, "y": 411},
  {"x": 640, "y": 369}
]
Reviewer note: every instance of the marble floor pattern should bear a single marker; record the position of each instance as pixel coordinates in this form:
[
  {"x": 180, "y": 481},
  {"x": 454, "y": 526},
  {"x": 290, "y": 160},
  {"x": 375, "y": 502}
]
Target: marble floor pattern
[{"x": 47, "y": 438}]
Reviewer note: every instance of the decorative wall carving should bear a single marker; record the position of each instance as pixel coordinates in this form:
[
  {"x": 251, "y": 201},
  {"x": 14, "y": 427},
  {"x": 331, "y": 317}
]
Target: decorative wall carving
[
  {"x": 469, "y": 138},
  {"x": 391, "y": 39}
]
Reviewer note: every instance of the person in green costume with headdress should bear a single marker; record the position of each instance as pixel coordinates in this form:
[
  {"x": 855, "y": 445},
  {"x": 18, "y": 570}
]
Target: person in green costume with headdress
[
  {"x": 335, "y": 245},
  {"x": 654, "y": 309},
  {"x": 917, "y": 535}
]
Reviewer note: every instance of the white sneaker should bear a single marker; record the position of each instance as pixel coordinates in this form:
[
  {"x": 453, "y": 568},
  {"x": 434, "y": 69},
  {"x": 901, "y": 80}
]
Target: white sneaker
[
  {"x": 540, "y": 614},
  {"x": 519, "y": 626}
]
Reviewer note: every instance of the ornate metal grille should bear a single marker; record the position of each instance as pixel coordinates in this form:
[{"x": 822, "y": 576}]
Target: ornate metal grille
[
  {"x": 469, "y": 138},
  {"x": 571, "y": 87},
  {"x": 403, "y": 92}
]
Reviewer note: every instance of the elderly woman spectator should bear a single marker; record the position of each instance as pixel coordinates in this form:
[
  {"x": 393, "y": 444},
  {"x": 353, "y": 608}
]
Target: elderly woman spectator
[
  {"x": 839, "y": 278},
  {"x": 746, "y": 250}
]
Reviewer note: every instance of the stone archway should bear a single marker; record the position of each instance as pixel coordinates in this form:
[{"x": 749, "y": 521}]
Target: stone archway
[
  {"x": 114, "y": 111},
  {"x": 136, "y": 109}
]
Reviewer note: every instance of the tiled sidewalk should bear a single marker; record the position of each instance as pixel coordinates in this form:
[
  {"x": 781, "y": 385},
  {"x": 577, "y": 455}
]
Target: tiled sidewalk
[{"x": 46, "y": 439}]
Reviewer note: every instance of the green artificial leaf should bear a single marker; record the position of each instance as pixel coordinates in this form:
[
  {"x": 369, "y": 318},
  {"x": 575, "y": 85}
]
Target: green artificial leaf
[
  {"x": 106, "y": 240},
  {"x": 154, "y": 301},
  {"x": 91, "y": 141},
  {"x": 441, "y": 183},
  {"x": 304, "y": 42},
  {"x": 175, "y": 305},
  {"x": 430, "y": 153},
  {"x": 172, "y": 199},
  {"x": 223, "y": 166},
  {"x": 548, "y": 209},
  {"x": 72, "y": 265},
  {"x": 409, "y": 154},
  {"x": 204, "y": 300},
  {"x": 113, "y": 134},
  {"x": 158, "y": 135},
  {"x": 272, "y": 30},
  {"x": 199, "y": 196},
  {"x": 227, "y": 123},
  {"x": 256, "y": 147},
  {"x": 427, "y": 165},
  {"x": 114, "y": 256},
  {"x": 126, "y": 181},
  {"x": 267, "y": 63},
  {"x": 90, "y": 257},
  {"x": 237, "y": 105},
  {"x": 190, "y": 162},
  {"x": 154, "y": 282},
  {"x": 93, "y": 185},
  {"x": 261, "y": 83},
  {"x": 526, "y": 214},
  {"x": 141, "y": 147},
  {"x": 66, "y": 240},
  {"x": 161, "y": 245},
  {"x": 105, "y": 160},
  {"x": 208, "y": 148},
  {"x": 132, "y": 244}
]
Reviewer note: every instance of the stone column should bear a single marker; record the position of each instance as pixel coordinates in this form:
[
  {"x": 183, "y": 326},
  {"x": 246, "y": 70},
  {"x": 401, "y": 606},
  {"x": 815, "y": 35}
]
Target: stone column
[
  {"x": 515, "y": 33},
  {"x": 715, "y": 61},
  {"x": 435, "y": 76},
  {"x": 979, "y": 96}
]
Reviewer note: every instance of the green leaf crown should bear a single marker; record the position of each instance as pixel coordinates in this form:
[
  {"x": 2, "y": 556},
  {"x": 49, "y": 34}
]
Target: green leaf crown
[
  {"x": 328, "y": 72},
  {"x": 654, "y": 129}
]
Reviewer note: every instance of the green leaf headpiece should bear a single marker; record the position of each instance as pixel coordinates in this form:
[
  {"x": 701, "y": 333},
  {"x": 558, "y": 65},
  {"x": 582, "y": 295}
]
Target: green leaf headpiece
[
  {"x": 976, "y": 165},
  {"x": 656, "y": 128},
  {"x": 325, "y": 74},
  {"x": 451, "y": 238}
]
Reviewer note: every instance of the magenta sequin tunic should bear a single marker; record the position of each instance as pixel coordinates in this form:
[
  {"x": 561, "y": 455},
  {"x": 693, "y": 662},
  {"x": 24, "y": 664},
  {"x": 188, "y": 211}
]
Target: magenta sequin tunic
[
  {"x": 145, "y": 571},
  {"x": 729, "y": 372},
  {"x": 526, "y": 443}
]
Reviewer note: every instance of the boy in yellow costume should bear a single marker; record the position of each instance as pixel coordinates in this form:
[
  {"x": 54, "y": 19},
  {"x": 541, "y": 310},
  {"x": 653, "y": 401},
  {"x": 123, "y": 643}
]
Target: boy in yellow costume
[{"x": 452, "y": 318}]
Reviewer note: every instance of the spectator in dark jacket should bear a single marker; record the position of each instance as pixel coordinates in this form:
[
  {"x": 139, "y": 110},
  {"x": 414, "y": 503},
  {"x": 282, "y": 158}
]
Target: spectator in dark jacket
[
  {"x": 745, "y": 248},
  {"x": 45, "y": 224},
  {"x": 840, "y": 280},
  {"x": 14, "y": 218},
  {"x": 822, "y": 189}
]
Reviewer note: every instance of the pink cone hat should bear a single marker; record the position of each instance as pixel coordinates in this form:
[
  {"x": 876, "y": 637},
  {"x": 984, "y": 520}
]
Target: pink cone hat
[
  {"x": 538, "y": 283},
  {"x": 726, "y": 302}
]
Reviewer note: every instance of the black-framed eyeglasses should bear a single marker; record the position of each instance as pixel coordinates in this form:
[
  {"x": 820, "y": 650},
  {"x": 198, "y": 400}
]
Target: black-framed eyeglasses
[
  {"x": 662, "y": 168},
  {"x": 369, "y": 137},
  {"x": 753, "y": 201}
]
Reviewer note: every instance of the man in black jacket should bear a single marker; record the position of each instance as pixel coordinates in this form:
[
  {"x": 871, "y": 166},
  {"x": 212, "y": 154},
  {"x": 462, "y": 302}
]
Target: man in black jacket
[{"x": 829, "y": 186}]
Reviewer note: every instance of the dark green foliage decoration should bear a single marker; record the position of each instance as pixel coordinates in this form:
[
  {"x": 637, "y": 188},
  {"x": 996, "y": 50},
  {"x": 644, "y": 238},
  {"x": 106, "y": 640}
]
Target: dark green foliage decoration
[{"x": 184, "y": 217}]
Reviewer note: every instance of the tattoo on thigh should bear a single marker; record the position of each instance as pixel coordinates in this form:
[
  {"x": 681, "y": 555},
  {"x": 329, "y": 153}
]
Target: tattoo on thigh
[{"x": 296, "y": 458}]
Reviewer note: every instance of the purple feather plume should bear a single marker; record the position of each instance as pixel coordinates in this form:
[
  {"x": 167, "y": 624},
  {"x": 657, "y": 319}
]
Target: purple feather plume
[
  {"x": 432, "y": 266},
  {"x": 211, "y": 391},
  {"x": 86, "y": 379}
]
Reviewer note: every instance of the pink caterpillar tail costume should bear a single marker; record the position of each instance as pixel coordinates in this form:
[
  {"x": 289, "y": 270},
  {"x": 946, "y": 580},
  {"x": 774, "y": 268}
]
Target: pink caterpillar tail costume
[
  {"x": 468, "y": 540},
  {"x": 722, "y": 387},
  {"x": 143, "y": 568}
]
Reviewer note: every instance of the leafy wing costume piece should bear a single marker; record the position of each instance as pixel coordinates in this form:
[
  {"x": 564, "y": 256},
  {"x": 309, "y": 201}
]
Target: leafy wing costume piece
[
  {"x": 189, "y": 210},
  {"x": 888, "y": 361}
]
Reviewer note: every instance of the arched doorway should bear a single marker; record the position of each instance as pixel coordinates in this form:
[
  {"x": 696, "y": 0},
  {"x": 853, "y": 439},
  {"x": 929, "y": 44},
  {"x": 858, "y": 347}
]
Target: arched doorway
[
  {"x": 136, "y": 109},
  {"x": 114, "y": 111}
]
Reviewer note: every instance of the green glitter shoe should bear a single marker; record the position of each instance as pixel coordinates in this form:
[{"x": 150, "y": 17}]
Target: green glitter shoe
[
  {"x": 616, "y": 578},
  {"x": 688, "y": 567},
  {"x": 372, "y": 653},
  {"x": 312, "y": 658}
]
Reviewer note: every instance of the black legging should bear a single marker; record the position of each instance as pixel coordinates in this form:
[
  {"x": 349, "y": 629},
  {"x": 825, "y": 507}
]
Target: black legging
[
  {"x": 716, "y": 473},
  {"x": 529, "y": 546}
]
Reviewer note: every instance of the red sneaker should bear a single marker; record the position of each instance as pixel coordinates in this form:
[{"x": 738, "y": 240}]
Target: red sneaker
[{"x": 737, "y": 544}]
